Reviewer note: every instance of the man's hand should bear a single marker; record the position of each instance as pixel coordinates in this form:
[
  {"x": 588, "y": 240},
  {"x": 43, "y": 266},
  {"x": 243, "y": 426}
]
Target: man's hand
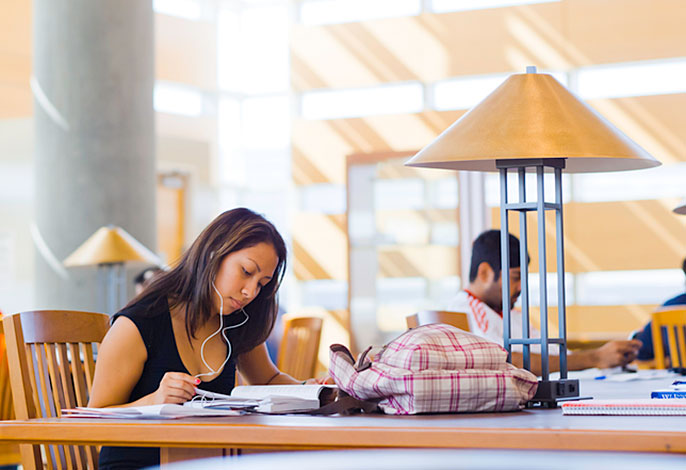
[
  {"x": 611, "y": 354},
  {"x": 616, "y": 353}
]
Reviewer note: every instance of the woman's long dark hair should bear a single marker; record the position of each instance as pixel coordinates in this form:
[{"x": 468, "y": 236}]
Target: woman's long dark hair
[{"x": 190, "y": 282}]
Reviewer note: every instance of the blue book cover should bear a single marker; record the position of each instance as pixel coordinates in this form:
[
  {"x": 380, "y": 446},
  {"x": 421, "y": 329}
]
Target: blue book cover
[{"x": 668, "y": 393}]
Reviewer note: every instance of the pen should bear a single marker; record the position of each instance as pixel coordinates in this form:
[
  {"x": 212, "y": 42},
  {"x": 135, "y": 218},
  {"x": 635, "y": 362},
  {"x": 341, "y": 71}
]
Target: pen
[{"x": 600, "y": 377}]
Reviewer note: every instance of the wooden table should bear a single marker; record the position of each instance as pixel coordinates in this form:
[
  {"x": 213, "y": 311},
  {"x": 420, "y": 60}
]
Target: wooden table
[{"x": 529, "y": 429}]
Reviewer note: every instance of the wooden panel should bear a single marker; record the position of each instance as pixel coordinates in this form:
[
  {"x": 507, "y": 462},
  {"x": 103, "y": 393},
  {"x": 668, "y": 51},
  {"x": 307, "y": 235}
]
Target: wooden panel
[
  {"x": 655, "y": 122},
  {"x": 319, "y": 247},
  {"x": 594, "y": 321},
  {"x": 171, "y": 215},
  {"x": 15, "y": 59},
  {"x": 320, "y": 147},
  {"x": 429, "y": 47},
  {"x": 419, "y": 216},
  {"x": 186, "y": 51},
  {"x": 397, "y": 223},
  {"x": 608, "y": 236},
  {"x": 626, "y": 30},
  {"x": 430, "y": 261},
  {"x": 15, "y": 101},
  {"x": 15, "y": 28}
]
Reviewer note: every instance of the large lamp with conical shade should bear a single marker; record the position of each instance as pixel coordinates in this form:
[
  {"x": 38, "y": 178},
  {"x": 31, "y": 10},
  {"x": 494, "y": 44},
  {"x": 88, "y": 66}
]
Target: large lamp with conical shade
[
  {"x": 531, "y": 123},
  {"x": 108, "y": 249}
]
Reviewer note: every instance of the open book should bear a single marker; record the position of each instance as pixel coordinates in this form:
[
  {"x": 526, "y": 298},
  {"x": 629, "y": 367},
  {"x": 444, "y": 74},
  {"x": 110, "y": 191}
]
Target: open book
[
  {"x": 260, "y": 398},
  {"x": 268, "y": 398}
]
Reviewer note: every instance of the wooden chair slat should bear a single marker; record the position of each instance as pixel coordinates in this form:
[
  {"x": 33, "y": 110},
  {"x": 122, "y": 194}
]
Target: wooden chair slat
[
  {"x": 67, "y": 378},
  {"x": 21, "y": 375},
  {"x": 658, "y": 348},
  {"x": 61, "y": 460},
  {"x": 29, "y": 355},
  {"x": 44, "y": 395},
  {"x": 671, "y": 342},
  {"x": 56, "y": 384},
  {"x": 67, "y": 455},
  {"x": 88, "y": 364},
  {"x": 55, "y": 456},
  {"x": 91, "y": 458},
  {"x": 80, "y": 389},
  {"x": 673, "y": 319},
  {"x": 681, "y": 344},
  {"x": 60, "y": 395},
  {"x": 50, "y": 459}
]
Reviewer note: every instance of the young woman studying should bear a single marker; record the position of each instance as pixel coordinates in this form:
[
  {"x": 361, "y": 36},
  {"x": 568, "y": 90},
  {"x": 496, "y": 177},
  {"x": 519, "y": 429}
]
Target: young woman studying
[{"x": 194, "y": 326}]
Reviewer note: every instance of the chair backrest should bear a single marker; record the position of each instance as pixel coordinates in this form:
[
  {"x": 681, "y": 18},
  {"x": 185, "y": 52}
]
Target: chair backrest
[
  {"x": 51, "y": 366},
  {"x": 299, "y": 346},
  {"x": 425, "y": 317},
  {"x": 674, "y": 321}
]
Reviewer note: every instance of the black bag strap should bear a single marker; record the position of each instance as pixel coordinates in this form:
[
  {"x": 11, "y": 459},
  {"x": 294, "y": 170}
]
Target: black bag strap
[{"x": 346, "y": 405}]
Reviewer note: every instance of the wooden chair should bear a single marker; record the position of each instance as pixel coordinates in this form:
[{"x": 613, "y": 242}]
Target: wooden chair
[
  {"x": 674, "y": 321},
  {"x": 299, "y": 346},
  {"x": 425, "y": 317},
  {"x": 51, "y": 365}
]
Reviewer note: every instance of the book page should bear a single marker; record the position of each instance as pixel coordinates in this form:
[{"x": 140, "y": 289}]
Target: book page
[
  {"x": 263, "y": 391},
  {"x": 223, "y": 403}
]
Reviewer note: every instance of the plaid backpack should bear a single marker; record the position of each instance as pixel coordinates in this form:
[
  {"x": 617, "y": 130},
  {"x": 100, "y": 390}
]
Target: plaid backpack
[{"x": 434, "y": 368}]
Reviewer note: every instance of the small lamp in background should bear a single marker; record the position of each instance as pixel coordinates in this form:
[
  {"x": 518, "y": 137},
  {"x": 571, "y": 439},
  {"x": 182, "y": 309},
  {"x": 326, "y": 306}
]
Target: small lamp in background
[
  {"x": 531, "y": 123},
  {"x": 681, "y": 208},
  {"x": 108, "y": 249}
]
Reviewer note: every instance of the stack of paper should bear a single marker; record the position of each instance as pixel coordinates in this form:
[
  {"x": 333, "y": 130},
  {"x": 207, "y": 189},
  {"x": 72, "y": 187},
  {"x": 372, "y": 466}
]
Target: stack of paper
[
  {"x": 633, "y": 407},
  {"x": 166, "y": 411}
]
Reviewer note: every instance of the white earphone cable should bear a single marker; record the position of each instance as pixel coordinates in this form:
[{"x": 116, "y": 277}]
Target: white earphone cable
[{"x": 223, "y": 330}]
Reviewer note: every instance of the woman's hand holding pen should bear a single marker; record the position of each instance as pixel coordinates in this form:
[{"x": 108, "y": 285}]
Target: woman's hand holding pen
[{"x": 175, "y": 387}]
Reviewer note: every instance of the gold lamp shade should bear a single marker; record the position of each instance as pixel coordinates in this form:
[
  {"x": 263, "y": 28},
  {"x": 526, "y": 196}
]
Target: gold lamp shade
[
  {"x": 110, "y": 245},
  {"x": 532, "y": 116}
]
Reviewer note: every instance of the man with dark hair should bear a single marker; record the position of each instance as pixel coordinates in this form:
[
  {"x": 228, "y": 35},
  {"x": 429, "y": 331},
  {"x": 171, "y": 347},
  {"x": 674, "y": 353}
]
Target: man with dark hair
[
  {"x": 482, "y": 300},
  {"x": 646, "y": 352}
]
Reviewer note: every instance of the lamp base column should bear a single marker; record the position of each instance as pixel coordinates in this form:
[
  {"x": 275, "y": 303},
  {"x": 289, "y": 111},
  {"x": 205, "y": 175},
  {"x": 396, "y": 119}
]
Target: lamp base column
[{"x": 550, "y": 392}]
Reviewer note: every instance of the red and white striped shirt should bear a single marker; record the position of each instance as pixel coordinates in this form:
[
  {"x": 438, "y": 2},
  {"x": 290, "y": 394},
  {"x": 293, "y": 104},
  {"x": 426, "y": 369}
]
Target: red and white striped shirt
[{"x": 487, "y": 323}]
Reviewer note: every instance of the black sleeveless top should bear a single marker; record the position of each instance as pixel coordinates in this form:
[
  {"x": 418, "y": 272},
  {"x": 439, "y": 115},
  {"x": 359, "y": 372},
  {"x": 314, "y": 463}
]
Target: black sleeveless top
[{"x": 153, "y": 321}]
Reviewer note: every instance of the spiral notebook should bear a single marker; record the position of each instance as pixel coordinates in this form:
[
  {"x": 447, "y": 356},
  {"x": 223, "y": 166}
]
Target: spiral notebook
[{"x": 627, "y": 407}]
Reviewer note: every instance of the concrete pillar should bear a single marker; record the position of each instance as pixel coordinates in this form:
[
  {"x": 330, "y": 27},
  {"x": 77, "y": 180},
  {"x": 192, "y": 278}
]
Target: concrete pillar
[{"x": 95, "y": 150}]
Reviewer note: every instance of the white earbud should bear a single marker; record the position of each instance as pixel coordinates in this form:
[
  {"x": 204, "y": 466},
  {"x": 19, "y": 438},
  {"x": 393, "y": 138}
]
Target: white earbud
[{"x": 223, "y": 330}]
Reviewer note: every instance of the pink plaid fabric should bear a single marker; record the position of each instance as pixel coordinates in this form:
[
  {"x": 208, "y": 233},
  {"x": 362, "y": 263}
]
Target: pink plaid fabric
[{"x": 435, "y": 369}]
